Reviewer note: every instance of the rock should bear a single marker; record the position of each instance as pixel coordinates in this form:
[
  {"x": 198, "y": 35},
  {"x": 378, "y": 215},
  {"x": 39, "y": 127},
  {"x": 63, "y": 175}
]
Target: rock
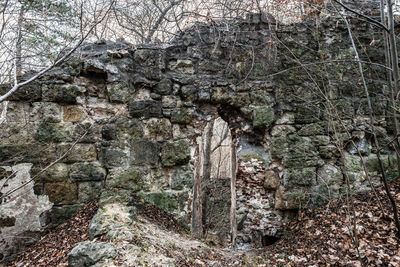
[
  {"x": 78, "y": 153},
  {"x": 130, "y": 179},
  {"x": 83, "y": 171},
  {"x": 328, "y": 152},
  {"x": 119, "y": 92},
  {"x": 45, "y": 111},
  {"x": 56, "y": 173},
  {"x": 54, "y": 132},
  {"x": 145, "y": 109},
  {"x": 158, "y": 129},
  {"x": 287, "y": 200},
  {"x": 61, "y": 93},
  {"x": 300, "y": 177},
  {"x": 182, "y": 178},
  {"x": 59, "y": 214},
  {"x": 88, "y": 253},
  {"x": 144, "y": 152},
  {"x": 164, "y": 87},
  {"x": 240, "y": 100},
  {"x": 181, "y": 115},
  {"x": 73, "y": 113},
  {"x": 167, "y": 201},
  {"x": 282, "y": 130},
  {"x": 182, "y": 65},
  {"x": 286, "y": 118},
  {"x": 329, "y": 175},
  {"x": 263, "y": 117},
  {"x": 31, "y": 92},
  {"x": 175, "y": 153},
  {"x": 271, "y": 181},
  {"x": 311, "y": 130},
  {"x": 61, "y": 193},
  {"x": 109, "y": 132},
  {"x": 88, "y": 191},
  {"x": 113, "y": 157}
]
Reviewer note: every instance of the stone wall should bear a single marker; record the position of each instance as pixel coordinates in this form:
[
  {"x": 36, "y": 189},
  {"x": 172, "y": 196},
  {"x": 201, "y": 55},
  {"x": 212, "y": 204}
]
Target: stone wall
[{"x": 130, "y": 117}]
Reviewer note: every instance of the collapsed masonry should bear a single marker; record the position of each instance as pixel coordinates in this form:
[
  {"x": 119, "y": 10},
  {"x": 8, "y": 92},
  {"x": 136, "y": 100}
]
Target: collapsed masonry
[{"x": 280, "y": 100}]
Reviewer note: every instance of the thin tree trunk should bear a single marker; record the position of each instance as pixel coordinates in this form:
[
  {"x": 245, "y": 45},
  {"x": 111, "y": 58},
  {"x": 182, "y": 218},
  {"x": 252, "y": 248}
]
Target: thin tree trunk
[
  {"x": 197, "y": 211},
  {"x": 233, "y": 195},
  {"x": 206, "y": 170},
  {"x": 18, "y": 44}
]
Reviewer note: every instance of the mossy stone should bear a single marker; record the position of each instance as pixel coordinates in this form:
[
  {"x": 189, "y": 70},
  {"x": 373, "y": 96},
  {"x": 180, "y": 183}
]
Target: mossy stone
[{"x": 263, "y": 117}]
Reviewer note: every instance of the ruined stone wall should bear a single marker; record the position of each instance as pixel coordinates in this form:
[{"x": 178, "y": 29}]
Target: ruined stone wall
[{"x": 130, "y": 118}]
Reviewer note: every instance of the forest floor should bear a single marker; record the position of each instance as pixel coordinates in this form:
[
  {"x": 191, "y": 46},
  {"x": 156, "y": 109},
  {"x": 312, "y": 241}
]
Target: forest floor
[{"x": 319, "y": 237}]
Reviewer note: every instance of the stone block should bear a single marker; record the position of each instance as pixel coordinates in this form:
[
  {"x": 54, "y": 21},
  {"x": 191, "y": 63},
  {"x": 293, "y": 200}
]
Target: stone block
[
  {"x": 311, "y": 130},
  {"x": 88, "y": 191},
  {"x": 109, "y": 132},
  {"x": 289, "y": 200},
  {"x": 263, "y": 117},
  {"x": 182, "y": 178},
  {"x": 175, "y": 153},
  {"x": 89, "y": 253},
  {"x": 181, "y": 115},
  {"x": 144, "y": 152},
  {"x": 113, "y": 157},
  {"x": 73, "y": 113},
  {"x": 61, "y": 93},
  {"x": 119, "y": 92},
  {"x": 164, "y": 87},
  {"x": 271, "y": 180},
  {"x": 31, "y": 92},
  {"x": 45, "y": 111},
  {"x": 56, "y": 173},
  {"x": 59, "y": 214},
  {"x": 129, "y": 179},
  {"x": 158, "y": 129},
  {"x": 240, "y": 100},
  {"x": 84, "y": 171},
  {"x": 78, "y": 153},
  {"x": 182, "y": 65},
  {"x": 54, "y": 132},
  {"x": 145, "y": 109},
  {"x": 61, "y": 193},
  {"x": 167, "y": 201},
  {"x": 300, "y": 177}
]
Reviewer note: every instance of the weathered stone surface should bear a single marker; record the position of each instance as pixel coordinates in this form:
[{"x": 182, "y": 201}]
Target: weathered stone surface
[
  {"x": 167, "y": 201},
  {"x": 54, "y": 132},
  {"x": 282, "y": 130},
  {"x": 88, "y": 191},
  {"x": 130, "y": 179},
  {"x": 82, "y": 171},
  {"x": 31, "y": 92},
  {"x": 89, "y": 253},
  {"x": 158, "y": 129},
  {"x": 20, "y": 216},
  {"x": 109, "y": 132},
  {"x": 300, "y": 177},
  {"x": 183, "y": 66},
  {"x": 144, "y": 152},
  {"x": 73, "y": 113},
  {"x": 56, "y": 173},
  {"x": 113, "y": 157},
  {"x": 263, "y": 117},
  {"x": 287, "y": 200},
  {"x": 64, "y": 93},
  {"x": 78, "y": 153},
  {"x": 311, "y": 130},
  {"x": 62, "y": 193},
  {"x": 46, "y": 111},
  {"x": 182, "y": 178},
  {"x": 119, "y": 92},
  {"x": 175, "y": 153},
  {"x": 164, "y": 87},
  {"x": 271, "y": 181},
  {"x": 181, "y": 115},
  {"x": 145, "y": 109}
]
